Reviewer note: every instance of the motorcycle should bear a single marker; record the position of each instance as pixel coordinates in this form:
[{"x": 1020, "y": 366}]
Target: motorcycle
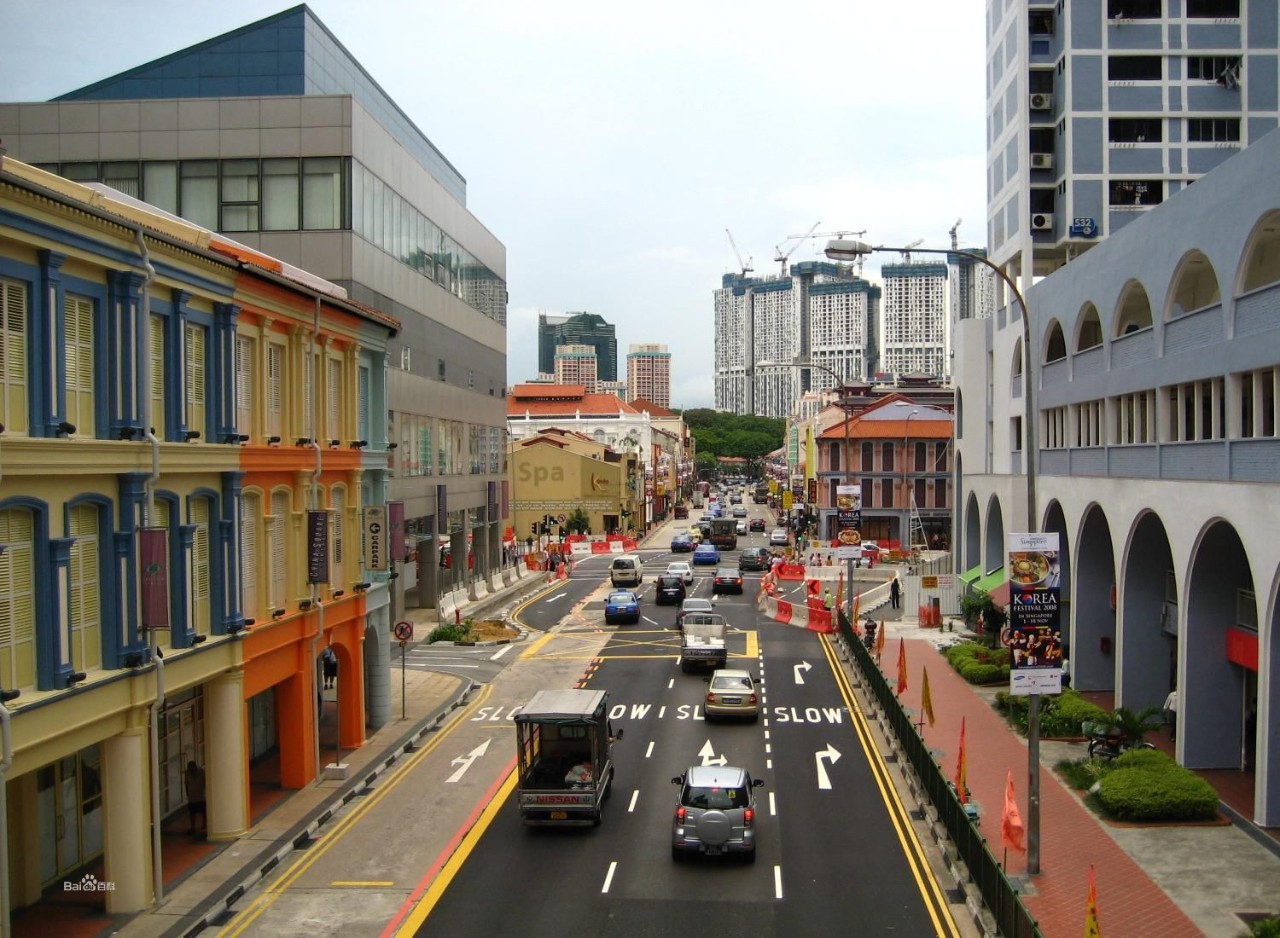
[
  {"x": 1107, "y": 742},
  {"x": 869, "y": 635}
]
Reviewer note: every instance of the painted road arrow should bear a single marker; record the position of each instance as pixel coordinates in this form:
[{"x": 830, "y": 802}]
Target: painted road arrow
[
  {"x": 830, "y": 753},
  {"x": 709, "y": 755},
  {"x": 800, "y": 677},
  {"x": 464, "y": 762}
]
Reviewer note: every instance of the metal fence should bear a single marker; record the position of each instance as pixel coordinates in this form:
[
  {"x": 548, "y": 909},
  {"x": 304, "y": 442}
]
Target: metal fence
[{"x": 1012, "y": 918}]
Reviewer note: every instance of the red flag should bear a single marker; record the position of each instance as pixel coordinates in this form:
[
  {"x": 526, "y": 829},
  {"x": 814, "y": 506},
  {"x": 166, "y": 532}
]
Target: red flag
[
  {"x": 857, "y": 602},
  {"x": 962, "y": 772},
  {"x": 902, "y": 666},
  {"x": 1091, "y": 927},
  {"x": 1011, "y": 829},
  {"x": 926, "y": 698}
]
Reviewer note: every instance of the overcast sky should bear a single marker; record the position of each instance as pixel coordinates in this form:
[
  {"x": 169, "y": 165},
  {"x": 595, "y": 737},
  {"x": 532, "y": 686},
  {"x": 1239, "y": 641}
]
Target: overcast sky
[{"x": 609, "y": 145}]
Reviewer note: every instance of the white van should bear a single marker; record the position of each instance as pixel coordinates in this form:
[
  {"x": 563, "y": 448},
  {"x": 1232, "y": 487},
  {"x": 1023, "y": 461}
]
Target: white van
[{"x": 625, "y": 571}]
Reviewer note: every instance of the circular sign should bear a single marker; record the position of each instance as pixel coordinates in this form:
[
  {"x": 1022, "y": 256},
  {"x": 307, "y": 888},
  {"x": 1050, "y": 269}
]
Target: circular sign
[
  {"x": 404, "y": 631},
  {"x": 562, "y": 518}
]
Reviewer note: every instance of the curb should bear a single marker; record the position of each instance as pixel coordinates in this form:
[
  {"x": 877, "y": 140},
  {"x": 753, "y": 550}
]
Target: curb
[{"x": 212, "y": 911}]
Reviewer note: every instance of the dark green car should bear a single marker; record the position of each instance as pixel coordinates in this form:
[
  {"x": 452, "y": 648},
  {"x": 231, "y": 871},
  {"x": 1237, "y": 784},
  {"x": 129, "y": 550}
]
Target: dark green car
[{"x": 753, "y": 558}]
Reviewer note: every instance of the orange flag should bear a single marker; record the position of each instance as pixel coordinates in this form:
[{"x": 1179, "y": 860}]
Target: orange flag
[
  {"x": 840, "y": 592},
  {"x": 962, "y": 773},
  {"x": 902, "y": 666},
  {"x": 1011, "y": 829},
  {"x": 1091, "y": 927},
  {"x": 926, "y": 699},
  {"x": 857, "y": 601},
  {"x": 880, "y": 641}
]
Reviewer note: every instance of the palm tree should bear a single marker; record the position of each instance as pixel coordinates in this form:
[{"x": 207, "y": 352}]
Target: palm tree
[{"x": 1135, "y": 726}]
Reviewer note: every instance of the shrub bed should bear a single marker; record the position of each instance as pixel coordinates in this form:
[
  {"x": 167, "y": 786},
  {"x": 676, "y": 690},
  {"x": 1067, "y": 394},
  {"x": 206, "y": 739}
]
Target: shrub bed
[
  {"x": 1059, "y": 716},
  {"x": 979, "y": 664},
  {"x": 450, "y": 633},
  {"x": 1152, "y": 787}
]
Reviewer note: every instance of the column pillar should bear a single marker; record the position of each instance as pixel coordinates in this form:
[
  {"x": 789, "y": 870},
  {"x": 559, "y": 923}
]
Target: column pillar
[
  {"x": 226, "y": 769},
  {"x": 484, "y": 560},
  {"x": 350, "y": 690},
  {"x": 126, "y": 825},
  {"x": 377, "y": 666},
  {"x": 296, "y": 726}
]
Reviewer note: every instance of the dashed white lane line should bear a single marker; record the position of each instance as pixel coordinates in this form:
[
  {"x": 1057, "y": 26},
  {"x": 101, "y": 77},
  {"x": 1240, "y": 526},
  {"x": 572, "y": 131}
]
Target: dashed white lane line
[
  {"x": 649, "y": 749},
  {"x": 635, "y": 796},
  {"x": 777, "y": 882},
  {"x": 609, "y": 877}
]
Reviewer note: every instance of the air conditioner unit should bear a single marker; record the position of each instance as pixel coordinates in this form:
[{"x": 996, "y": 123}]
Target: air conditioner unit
[
  {"x": 1042, "y": 161},
  {"x": 1042, "y": 221},
  {"x": 1042, "y": 102}
]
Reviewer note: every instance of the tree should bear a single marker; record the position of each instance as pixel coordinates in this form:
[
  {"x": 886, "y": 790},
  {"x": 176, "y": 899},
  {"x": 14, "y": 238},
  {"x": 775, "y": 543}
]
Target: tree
[{"x": 578, "y": 522}]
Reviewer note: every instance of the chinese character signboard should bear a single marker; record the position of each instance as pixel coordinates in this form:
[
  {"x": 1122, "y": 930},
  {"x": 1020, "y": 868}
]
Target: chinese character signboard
[
  {"x": 317, "y": 546},
  {"x": 1035, "y": 629}
]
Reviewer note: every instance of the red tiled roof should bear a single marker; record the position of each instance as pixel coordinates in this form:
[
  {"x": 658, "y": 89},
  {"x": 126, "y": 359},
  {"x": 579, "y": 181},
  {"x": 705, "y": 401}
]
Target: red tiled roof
[
  {"x": 649, "y": 407},
  {"x": 549, "y": 391},
  {"x": 585, "y": 404}
]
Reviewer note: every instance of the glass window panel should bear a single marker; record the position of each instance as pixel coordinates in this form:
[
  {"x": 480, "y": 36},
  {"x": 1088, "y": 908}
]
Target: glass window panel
[
  {"x": 198, "y": 192},
  {"x": 122, "y": 177},
  {"x": 321, "y": 193},
  {"x": 160, "y": 185},
  {"x": 80, "y": 172},
  {"x": 280, "y": 195}
]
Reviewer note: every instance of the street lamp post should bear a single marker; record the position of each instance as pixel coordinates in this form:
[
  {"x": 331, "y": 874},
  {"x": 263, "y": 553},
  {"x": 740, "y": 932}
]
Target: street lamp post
[
  {"x": 853, "y": 250},
  {"x": 846, "y": 461},
  {"x": 906, "y": 482}
]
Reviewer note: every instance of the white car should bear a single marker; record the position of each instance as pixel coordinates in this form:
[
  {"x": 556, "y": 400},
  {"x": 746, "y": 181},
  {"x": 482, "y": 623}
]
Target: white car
[
  {"x": 742, "y": 527},
  {"x": 681, "y": 569},
  {"x": 778, "y": 537}
]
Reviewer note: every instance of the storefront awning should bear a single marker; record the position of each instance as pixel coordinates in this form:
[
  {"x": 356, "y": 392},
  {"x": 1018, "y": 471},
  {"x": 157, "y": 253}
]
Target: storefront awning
[
  {"x": 989, "y": 582},
  {"x": 970, "y": 575},
  {"x": 1000, "y": 595}
]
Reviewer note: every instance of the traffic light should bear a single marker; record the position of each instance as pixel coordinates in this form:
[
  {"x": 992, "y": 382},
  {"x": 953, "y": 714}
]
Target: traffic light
[
  {"x": 533, "y": 528},
  {"x": 562, "y": 532}
]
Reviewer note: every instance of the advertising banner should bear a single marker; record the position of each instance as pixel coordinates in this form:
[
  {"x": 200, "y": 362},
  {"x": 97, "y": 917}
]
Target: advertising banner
[
  {"x": 848, "y": 511},
  {"x": 373, "y": 522},
  {"x": 395, "y": 525},
  {"x": 317, "y": 546},
  {"x": 155, "y": 578},
  {"x": 1035, "y": 628}
]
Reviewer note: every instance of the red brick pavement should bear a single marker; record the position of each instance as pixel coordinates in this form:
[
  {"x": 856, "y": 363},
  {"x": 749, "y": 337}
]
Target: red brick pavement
[{"x": 1071, "y": 837}]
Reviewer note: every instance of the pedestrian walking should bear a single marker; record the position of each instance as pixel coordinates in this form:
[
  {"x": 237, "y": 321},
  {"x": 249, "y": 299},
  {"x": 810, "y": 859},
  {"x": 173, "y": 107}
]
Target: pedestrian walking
[
  {"x": 196, "y": 806},
  {"x": 828, "y": 600},
  {"x": 1171, "y": 713},
  {"x": 330, "y": 666},
  {"x": 895, "y": 594}
]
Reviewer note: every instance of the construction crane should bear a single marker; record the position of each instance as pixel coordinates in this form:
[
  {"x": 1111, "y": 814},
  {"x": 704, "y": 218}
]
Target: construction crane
[
  {"x": 743, "y": 269},
  {"x": 782, "y": 256},
  {"x": 835, "y": 234},
  {"x": 955, "y": 235},
  {"x": 906, "y": 252}
]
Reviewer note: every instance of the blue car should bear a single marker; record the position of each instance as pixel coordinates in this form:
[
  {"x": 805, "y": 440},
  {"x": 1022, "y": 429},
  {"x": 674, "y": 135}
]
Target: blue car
[
  {"x": 622, "y": 606},
  {"x": 706, "y": 554},
  {"x": 681, "y": 544}
]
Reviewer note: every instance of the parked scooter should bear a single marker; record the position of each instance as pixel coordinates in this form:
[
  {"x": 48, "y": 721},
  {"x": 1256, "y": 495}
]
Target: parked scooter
[
  {"x": 869, "y": 634},
  {"x": 1107, "y": 742}
]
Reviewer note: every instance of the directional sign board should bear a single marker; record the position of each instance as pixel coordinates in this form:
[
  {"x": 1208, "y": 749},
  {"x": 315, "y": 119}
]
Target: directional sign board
[{"x": 404, "y": 631}]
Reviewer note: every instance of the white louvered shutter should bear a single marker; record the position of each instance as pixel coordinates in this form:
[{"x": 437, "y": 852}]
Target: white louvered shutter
[
  {"x": 13, "y": 356},
  {"x": 86, "y": 596}
]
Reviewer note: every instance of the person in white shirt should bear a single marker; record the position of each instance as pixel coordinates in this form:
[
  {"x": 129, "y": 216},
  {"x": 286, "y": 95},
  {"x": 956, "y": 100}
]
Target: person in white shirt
[{"x": 1171, "y": 713}]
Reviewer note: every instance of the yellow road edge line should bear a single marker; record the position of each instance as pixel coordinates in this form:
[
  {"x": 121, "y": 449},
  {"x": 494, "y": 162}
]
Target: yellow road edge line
[
  {"x": 913, "y": 850},
  {"x": 264, "y": 901},
  {"x": 415, "y": 919}
]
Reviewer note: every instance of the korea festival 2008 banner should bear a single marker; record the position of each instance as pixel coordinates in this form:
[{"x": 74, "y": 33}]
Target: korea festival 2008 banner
[{"x": 1035, "y": 628}]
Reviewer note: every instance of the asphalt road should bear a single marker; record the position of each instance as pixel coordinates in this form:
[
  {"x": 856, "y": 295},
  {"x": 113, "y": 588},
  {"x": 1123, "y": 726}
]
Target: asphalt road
[{"x": 436, "y": 847}]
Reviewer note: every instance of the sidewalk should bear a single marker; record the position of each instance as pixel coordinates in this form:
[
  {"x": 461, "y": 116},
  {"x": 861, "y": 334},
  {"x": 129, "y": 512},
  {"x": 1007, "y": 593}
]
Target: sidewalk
[
  {"x": 200, "y": 878},
  {"x": 1162, "y": 880}
]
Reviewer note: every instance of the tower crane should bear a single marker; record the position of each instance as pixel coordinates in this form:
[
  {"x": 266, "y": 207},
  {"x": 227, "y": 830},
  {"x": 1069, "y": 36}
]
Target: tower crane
[
  {"x": 955, "y": 235},
  {"x": 782, "y": 256},
  {"x": 746, "y": 268},
  {"x": 906, "y": 252}
]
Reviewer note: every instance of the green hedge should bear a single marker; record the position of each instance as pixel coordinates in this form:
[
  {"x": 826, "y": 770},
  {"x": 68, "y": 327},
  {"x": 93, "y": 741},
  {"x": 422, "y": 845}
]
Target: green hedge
[
  {"x": 450, "y": 633},
  {"x": 979, "y": 664},
  {"x": 1059, "y": 715},
  {"x": 1147, "y": 785}
]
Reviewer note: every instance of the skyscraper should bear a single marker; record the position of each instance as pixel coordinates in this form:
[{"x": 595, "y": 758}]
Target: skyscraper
[
  {"x": 577, "y": 364},
  {"x": 916, "y": 328},
  {"x": 1099, "y": 111},
  {"x": 578, "y": 329},
  {"x": 649, "y": 374}
]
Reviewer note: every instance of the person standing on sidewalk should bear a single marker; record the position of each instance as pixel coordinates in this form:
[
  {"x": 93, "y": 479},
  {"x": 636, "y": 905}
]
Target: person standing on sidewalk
[
  {"x": 895, "y": 594},
  {"x": 1171, "y": 713},
  {"x": 196, "y": 805}
]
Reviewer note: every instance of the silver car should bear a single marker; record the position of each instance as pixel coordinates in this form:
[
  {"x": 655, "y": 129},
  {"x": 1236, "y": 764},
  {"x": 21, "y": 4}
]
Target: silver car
[
  {"x": 731, "y": 693},
  {"x": 715, "y": 813}
]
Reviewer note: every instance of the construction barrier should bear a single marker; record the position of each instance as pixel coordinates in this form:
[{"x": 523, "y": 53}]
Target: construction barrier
[
  {"x": 790, "y": 571},
  {"x": 787, "y": 613}
]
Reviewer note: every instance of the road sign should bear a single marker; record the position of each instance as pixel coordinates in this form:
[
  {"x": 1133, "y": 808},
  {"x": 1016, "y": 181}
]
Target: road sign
[
  {"x": 404, "y": 631},
  {"x": 562, "y": 518}
]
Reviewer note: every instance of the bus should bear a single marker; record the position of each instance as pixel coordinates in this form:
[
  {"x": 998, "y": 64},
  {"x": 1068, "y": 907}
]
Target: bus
[{"x": 724, "y": 533}]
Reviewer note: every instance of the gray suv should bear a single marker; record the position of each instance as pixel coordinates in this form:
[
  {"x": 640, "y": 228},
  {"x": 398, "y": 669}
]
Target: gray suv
[{"x": 715, "y": 813}]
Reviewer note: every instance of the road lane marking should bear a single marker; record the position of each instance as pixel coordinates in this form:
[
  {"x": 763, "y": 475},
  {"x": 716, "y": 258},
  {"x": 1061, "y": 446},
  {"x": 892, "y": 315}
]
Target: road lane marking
[
  {"x": 777, "y": 882},
  {"x": 635, "y": 796},
  {"x": 609, "y": 876},
  {"x": 500, "y": 652},
  {"x": 649, "y": 751},
  {"x": 773, "y": 806}
]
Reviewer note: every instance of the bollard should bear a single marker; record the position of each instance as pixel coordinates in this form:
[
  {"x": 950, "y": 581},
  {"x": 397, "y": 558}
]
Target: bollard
[{"x": 457, "y": 617}]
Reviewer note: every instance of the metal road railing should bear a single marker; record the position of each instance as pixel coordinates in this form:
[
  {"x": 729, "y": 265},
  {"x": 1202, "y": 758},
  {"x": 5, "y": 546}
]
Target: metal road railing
[{"x": 999, "y": 895}]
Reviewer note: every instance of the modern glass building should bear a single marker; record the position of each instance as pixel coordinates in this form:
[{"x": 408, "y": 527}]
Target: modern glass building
[
  {"x": 275, "y": 135},
  {"x": 578, "y": 329}
]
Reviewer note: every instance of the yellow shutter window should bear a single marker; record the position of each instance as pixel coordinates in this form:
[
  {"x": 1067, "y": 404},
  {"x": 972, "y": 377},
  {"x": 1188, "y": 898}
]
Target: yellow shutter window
[
  {"x": 17, "y": 599},
  {"x": 86, "y": 600},
  {"x": 275, "y": 389},
  {"x": 13, "y": 356},
  {"x": 193, "y": 352},
  {"x": 156, "y": 351},
  {"x": 333, "y": 403},
  {"x": 250, "y": 508},
  {"x": 201, "y": 599},
  {"x": 279, "y": 551},
  {"x": 245, "y": 368},
  {"x": 78, "y": 352}
]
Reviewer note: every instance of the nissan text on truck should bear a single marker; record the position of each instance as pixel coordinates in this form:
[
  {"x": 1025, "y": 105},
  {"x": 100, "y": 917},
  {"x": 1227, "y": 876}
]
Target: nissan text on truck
[{"x": 565, "y": 757}]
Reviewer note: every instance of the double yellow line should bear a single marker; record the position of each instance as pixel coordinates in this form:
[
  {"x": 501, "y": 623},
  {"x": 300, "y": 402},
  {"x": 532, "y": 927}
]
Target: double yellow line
[
  {"x": 934, "y": 898},
  {"x": 268, "y": 897}
]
